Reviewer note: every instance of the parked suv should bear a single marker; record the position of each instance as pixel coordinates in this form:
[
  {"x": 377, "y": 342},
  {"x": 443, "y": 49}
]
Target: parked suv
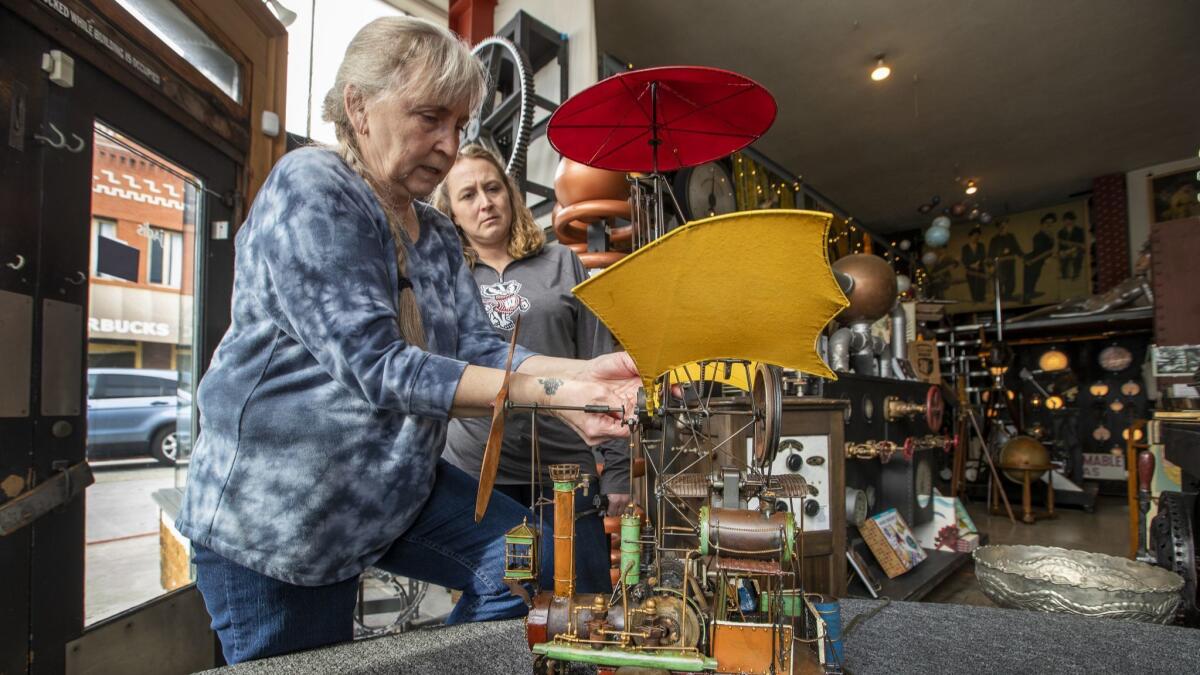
[{"x": 134, "y": 412}]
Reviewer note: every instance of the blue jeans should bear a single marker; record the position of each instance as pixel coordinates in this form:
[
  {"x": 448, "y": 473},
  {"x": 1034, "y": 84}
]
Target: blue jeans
[
  {"x": 257, "y": 616},
  {"x": 591, "y": 544}
]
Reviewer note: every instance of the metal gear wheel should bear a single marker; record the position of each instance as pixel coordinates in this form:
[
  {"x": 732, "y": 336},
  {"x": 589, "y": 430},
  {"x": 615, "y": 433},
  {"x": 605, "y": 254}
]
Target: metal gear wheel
[
  {"x": 391, "y": 595},
  {"x": 505, "y": 120}
]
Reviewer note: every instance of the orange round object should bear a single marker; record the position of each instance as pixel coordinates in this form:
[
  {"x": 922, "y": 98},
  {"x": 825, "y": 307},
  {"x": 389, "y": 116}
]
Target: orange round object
[
  {"x": 612, "y": 524},
  {"x": 599, "y": 260},
  {"x": 575, "y": 182},
  {"x": 570, "y": 223}
]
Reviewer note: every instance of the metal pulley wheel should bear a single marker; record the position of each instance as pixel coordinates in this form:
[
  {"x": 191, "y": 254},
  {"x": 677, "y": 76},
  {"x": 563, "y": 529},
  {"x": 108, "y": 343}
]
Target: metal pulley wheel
[
  {"x": 383, "y": 594},
  {"x": 935, "y": 406},
  {"x": 505, "y": 119},
  {"x": 766, "y": 397},
  {"x": 1173, "y": 543}
]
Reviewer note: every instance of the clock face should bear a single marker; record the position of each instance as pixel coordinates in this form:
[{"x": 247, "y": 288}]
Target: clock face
[{"x": 710, "y": 191}]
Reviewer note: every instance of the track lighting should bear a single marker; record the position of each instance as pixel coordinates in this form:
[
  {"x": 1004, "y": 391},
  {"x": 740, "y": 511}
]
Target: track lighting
[
  {"x": 286, "y": 16},
  {"x": 881, "y": 71}
]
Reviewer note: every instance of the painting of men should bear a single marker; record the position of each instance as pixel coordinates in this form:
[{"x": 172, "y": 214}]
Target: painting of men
[
  {"x": 1003, "y": 251},
  {"x": 974, "y": 260},
  {"x": 1043, "y": 248},
  {"x": 1070, "y": 247},
  {"x": 1036, "y": 257}
]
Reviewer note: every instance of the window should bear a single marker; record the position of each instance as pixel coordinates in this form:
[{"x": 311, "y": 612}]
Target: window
[
  {"x": 185, "y": 38},
  {"x": 166, "y": 257},
  {"x": 102, "y": 227},
  {"x": 130, "y": 386},
  {"x": 314, "y": 56}
]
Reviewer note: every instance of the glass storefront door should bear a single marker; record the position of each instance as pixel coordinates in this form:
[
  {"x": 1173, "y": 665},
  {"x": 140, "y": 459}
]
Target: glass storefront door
[{"x": 140, "y": 376}]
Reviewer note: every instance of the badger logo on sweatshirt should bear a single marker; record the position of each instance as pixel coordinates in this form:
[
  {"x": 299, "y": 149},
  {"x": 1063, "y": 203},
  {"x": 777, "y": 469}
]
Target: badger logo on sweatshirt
[{"x": 502, "y": 301}]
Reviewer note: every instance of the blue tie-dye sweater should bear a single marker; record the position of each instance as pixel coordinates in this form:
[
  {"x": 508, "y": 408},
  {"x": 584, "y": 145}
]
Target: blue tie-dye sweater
[{"x": 319, "y": 426}]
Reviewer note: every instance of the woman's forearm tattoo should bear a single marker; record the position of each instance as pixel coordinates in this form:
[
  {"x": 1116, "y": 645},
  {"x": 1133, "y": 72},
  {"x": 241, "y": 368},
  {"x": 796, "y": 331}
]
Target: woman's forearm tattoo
[{"x": 550, "y": 384}]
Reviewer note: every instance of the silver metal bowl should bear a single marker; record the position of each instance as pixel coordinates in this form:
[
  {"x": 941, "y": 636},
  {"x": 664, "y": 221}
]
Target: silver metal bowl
[{"x": 1050, "y": 579}]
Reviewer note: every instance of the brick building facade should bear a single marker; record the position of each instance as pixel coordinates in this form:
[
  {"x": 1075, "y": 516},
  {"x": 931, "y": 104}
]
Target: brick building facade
[{"x": 141, "y": 316}]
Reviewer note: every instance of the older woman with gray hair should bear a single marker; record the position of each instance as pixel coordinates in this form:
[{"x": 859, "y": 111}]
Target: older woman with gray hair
[{"x": 357, "y": 332}]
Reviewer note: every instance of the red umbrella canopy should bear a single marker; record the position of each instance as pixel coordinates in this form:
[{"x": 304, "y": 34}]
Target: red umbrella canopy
[{"x": 680, "y": 116}]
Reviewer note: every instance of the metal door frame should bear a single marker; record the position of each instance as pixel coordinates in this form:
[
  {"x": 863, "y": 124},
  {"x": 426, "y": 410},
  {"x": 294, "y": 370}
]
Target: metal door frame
[{"x": 49, "y": 193}]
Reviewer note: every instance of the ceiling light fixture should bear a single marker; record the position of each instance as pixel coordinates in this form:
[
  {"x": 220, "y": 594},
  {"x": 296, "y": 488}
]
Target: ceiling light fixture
[
  {"x": 881, "y": 71},
  {"x": 972, "y": 188}
]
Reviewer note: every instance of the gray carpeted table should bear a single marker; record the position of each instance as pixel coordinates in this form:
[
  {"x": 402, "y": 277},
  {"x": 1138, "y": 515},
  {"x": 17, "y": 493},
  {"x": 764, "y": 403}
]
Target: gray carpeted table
[{"x": 903, "y": 638}]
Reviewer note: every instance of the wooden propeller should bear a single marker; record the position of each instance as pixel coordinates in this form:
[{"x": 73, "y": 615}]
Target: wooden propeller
[{"x": 491, "y": 452}]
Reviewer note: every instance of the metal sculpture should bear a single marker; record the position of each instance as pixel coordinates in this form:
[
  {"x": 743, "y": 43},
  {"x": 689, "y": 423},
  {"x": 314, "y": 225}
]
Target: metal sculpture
[{"x": 704, "y": 582}]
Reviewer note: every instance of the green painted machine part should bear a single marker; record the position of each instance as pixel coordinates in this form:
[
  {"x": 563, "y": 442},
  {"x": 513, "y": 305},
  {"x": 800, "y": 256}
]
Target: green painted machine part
[
  {"x": 631, "y": 548},
  {"x": 791, "y": 603},
  {"x": 685, "y": 663}
]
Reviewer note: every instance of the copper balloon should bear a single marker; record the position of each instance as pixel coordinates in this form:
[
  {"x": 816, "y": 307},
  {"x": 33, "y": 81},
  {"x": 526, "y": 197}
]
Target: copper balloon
[
  {"x": 874, "y": 290},
  {"x": 575, "y": 182},
  {"x": 1020, "y": 452}
]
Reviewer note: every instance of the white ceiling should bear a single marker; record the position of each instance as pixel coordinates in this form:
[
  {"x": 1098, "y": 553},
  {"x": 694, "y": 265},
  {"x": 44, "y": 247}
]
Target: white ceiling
[{"x": 1034, "y": 97}]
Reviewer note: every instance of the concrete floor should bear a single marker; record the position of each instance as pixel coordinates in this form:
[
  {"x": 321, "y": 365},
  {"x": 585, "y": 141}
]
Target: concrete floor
[
  {"x": 122, "y": 557},
  {"x": 1106, "y": 530}
]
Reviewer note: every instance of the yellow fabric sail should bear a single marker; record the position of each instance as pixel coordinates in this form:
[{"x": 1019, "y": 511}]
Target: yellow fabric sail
[{"x": 753, "y": 285}]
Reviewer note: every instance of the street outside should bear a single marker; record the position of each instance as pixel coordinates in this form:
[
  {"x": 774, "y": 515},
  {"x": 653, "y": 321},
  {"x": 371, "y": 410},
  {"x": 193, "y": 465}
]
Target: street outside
[
  {"x": 122, "y": 553},
  {"x": 122, "y": 536}
]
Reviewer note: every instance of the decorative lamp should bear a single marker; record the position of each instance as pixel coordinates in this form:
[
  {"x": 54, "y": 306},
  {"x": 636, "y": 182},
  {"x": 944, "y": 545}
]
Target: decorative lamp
[
  {"x": 1099, "y": 390},
  {"x": 1052, "y": 360},
  {"x": 937, "y": 236},
  {"x": 1115, "y": 358},
  {"x": 1054, "y": 403},
  {"x": 1137, "y": 434},
  {"x": 520, "y": 553}
]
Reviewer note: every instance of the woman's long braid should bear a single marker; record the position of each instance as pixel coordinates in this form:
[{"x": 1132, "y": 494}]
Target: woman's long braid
[{"x": 408, "y": 316}]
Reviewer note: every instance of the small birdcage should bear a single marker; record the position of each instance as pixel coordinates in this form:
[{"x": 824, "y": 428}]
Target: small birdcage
[{"x": 520, "y": 553}]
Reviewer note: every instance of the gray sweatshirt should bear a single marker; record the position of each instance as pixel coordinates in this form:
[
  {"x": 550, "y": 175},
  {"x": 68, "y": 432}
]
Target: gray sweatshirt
[{"x": 554, "y": 323}]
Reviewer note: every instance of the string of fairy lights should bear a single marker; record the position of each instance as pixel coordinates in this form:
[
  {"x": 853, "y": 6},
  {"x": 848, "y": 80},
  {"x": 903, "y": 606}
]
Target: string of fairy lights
[{"x": 757, "y": 187}]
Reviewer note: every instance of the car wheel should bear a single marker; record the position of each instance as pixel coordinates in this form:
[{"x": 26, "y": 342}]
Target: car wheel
[{"x": 165, "y": 446}]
